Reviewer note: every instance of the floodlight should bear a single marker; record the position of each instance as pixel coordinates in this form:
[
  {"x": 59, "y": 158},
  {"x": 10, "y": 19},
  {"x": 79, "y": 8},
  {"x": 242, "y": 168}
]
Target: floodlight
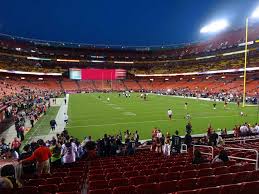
[
  {"x": 215, "y": 26},
  {"x": 255, "y": 14}
]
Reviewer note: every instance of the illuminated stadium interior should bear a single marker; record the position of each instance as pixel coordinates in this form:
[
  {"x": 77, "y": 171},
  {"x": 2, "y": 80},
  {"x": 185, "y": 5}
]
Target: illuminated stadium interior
[{"x": 116, "y": 119}]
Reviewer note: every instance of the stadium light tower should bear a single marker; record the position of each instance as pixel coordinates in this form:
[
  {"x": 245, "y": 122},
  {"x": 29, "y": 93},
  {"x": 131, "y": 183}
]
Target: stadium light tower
[{"x": 255, "y": 15}]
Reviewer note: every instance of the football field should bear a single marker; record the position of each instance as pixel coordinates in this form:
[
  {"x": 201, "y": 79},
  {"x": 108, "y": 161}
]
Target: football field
[{"x": 94, "y": 116}]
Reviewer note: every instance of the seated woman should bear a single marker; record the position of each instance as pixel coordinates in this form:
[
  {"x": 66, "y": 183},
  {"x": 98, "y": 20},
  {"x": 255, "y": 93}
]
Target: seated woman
[{"x": 222, "y": 157}]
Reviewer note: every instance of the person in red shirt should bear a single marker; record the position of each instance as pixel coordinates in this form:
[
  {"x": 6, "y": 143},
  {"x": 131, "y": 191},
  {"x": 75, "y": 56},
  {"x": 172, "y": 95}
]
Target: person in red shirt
[{"x": 41, "y": 155}]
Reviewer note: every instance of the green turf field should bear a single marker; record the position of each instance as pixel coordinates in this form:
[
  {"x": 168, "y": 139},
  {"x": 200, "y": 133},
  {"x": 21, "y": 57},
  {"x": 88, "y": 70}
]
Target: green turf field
[
  {"x": 42, "y": 127},
  {"x": 89, "y": 115}
]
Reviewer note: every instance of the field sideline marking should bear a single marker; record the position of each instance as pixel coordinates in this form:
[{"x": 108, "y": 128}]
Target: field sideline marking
[{"x": 153, "y": 121}]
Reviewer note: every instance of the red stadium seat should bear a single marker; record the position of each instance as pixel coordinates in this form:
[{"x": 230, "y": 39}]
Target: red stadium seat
[
  {"x": 224, "y": 179},
  {"x": 254, "y": 175},
  {"x": 36, "y": 182},
  {"x": 220, "y": 170},
  {"x": 49, "y": 188},
  {"x": 68, "y": 187},
  {"x": 28, "y": 190},
  {"x": 205, "y": 172},
  {"x": 154, "y": 178},
  {"x": 188, "y": 174},
  {"x": 172, "y": 176},
  {"x": 130, "y": 174},
  {"x": 209, "y": 190},
  {"x": 124, "y": 190},
  {"x": 168, "y": 186},
  {"x": 55, "y": 180},
  {"x": 118, "y": 182},
  {"x": 187, "y": 192},
  {"x": 249, "y": 187},
  {"x": 241, "y": 177},
  {"x": 146, "y": 172},
  {"x": 148, "y": 188},
  {"x": 187, "y": 184},
  {"x": 233, "y": 188},
  {"x": 96, "y": 177},
  {"x": 113, "y": 175},
  {"x": 206, "y": 181},
  {"x": 137, "y": 180},
  {"x": 100, "y": 191}
]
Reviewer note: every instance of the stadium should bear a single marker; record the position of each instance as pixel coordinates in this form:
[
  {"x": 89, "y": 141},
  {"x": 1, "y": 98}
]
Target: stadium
[{"x": 118, "y": 119}]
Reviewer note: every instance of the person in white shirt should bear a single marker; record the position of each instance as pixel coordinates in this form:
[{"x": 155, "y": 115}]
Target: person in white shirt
[
  {"x": 65, "y": 118},
  {"x": 170, "y": 113},
  {"x": 257, "y": 128},
  {"x": 243, "y": 130},
  {"x": 69, "y": 152}
]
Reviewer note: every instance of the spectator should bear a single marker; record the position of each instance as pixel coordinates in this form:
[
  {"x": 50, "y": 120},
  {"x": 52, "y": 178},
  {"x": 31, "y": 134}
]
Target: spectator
[
  {"x": 8, "y": 171},
  {"x": 198, "y": 159},
  {"x": 136, "y": 137},
  {"x": 68, "y": 152},
  {"x": 16, "y": 144},
  {"x": 166, "y": 147},
  {"x": 55, "y": 150},
  {"x": 188, "y": 140},
  {"x": 42, "y": 155},
  {"x": 29, "y": 167},
  {"x": 176, "y": 143},
  {"x": 222, "y": 157},
  {"x": 188, "y": 128},
  {"x": 3, "y": 146}
]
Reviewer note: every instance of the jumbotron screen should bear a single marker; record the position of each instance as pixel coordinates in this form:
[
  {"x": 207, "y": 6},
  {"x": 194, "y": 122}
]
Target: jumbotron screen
[{"x": 96, "y": 74}]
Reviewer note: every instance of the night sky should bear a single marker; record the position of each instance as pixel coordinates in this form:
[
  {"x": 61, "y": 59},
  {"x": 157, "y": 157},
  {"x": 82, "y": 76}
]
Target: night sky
[{"x": 119, "y": 22}]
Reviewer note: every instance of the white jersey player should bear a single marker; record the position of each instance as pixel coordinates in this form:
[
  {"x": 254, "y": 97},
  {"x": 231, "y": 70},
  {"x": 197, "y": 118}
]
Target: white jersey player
[{"x": 170, "y": 113}]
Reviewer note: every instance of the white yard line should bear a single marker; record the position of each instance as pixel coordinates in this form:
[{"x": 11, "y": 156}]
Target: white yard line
[{"x": 153, "y": 121}]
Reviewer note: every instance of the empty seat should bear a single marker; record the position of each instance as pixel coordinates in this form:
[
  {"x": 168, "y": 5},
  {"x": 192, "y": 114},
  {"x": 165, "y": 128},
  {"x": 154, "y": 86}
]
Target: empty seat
[
  {"x": 124, "y": 190},
  {"x": 168, "y": 186},
  {"x": 234, "y": 168},
  {"x": 68, "y": 187},
  {"x": 101, "y": 191},
  {"x": 206, "y": 181},
  {"x": 188, "y": 174},
  {"x": 250, "y": 187},
  {"x": 187, "y": 192},
  {"x": 187, "y": 184},
  {"x": 172, "y": 176},
  {"x": 130, "y": 174},
  {"x": 224, "y": 179},
  {"x": 162, "y": 170},
  {"x": 55, "y": 180},
  {"x": 92, "y": 185},
  {"x": 220, "y": 170},
  {"x": 48, "y": 188},
  {"x": 137, "y": 180},
  {"x": 254, "y": 175},
  {"x": 210, "y": 190},
  {"x": 113, "y": 175},
  {"x": 28, "y": 190},
  {"x": 154, "y": 178},
  {"x": 118, "y": 182},
  {"x": 146, "y": 172},
  {"x": 68, "y": 179},
  {"x": 36, "y": 182},
  {"x": 96, "y": 177},
  {"x": 59, "y": 174},
  {"x": 232, "y": 188},
  {"x": 205, "y": 172},
  {"x": 241, "y": 177},
  {"x": 148, "y": 188}
]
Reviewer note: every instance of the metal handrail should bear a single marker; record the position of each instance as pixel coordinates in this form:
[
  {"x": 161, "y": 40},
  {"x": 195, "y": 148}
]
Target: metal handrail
[
  {"x": 246, "y": 159},
  {"x": 205, "y": 146}
]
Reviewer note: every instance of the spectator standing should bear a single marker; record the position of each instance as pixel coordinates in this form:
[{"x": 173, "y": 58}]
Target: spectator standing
[
  {"x": 41, "y": 155},
  {"x": 176, "y": 143},
  {"x": 68, "y": 152}
]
